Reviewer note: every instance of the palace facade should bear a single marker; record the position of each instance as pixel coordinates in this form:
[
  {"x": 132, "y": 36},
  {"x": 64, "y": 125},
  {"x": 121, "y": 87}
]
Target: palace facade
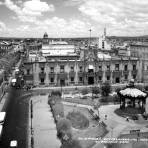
[{"x": 58, "y": 63}]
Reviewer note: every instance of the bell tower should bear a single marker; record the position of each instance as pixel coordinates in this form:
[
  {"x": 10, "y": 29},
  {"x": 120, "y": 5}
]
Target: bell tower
[{"x": 45, "y": 38}]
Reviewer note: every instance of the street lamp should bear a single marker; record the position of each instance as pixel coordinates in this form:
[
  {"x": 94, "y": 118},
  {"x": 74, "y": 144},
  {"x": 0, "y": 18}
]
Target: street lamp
[{"x": 31, "y": 108}]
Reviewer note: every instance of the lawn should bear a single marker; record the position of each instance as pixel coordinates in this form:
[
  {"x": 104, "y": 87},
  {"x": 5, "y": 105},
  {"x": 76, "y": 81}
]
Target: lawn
[
  {"x": 93, "y": 131},
  {"x": 78, "y": 120}
]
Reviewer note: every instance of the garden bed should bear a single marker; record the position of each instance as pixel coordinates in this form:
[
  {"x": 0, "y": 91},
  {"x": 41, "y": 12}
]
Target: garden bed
[
  {"x": 78, "y": 120},
  {"x": 129, "y": 112}
]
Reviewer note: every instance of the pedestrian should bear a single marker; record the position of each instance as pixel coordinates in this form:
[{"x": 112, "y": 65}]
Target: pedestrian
[
  {"x": 105, "y": 117},
  {"x": 127, "y": 119}
]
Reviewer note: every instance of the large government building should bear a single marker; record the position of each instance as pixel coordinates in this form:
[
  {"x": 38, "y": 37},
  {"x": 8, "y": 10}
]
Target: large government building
[{"x": 59, "y": 63}]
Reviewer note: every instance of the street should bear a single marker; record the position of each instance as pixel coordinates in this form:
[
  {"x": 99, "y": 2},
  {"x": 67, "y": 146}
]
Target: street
[{"x": 16, "y": 122}]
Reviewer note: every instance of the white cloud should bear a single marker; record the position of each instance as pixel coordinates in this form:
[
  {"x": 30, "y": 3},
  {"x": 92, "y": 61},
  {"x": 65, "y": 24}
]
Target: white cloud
[
  {"x": 29, "y": 10},
  {"x": 126, "y": 15},
  {"x": 2, "y": 26},
  {"x": 59, "y": 27}
]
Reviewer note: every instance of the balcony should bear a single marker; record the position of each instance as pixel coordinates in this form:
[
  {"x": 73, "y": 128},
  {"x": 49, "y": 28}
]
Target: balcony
[
  {"x": 72, "y": 73},
  {"x": 126, "y": 72},
  {"x": 134, "y": 72},
  {"x": 117, "y": 73},
  {"x": 62, "y": 76},
  {"x": 51, "y": 74},
  {"x": 41, "y": 65},
  {"x": 28, "y": 77},
  {"x": 90, "y": 74},
  {"x": 42, "y": 74},
  {"x": 81, "y": 74},
  {"x": 108, "y": 72},
  {"x": 99, "y": 73}
]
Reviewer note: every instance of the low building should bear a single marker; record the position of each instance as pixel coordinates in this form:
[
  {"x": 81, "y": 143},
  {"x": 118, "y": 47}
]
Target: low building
[{"x": 5, "y": 47}]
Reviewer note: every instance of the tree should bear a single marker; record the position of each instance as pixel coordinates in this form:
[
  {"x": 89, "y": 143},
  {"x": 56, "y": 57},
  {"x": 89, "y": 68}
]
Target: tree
[
  {"x": 95, "y": 90},
  {"x": 84, "y": 91},
  {"x": 106, "y": 89},
  {"x": 71, "y": 144},
  {"x": 63, "y": 127}
]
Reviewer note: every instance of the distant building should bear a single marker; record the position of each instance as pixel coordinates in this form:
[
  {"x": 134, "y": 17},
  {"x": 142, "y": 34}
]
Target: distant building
[
  {"x": 58, "y": 63},
  {"x": 141, "y": 51},
  {"x": 104, "y": 42},
  {"x": 5, "y": 47}
]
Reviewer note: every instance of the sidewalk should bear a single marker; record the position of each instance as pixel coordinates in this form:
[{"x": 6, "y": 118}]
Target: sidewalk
[{"x": 44, "y": 128}]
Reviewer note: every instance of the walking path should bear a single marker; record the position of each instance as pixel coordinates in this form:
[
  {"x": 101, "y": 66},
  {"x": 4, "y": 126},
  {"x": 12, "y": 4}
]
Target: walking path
[
  {"x": 45, "y": 133},
  {"x": 116, "y": 125},
  {"x": 75, "y": 86}
]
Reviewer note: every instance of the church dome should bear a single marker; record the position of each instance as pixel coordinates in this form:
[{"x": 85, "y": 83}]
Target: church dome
[{"x": 45, "y": 35}]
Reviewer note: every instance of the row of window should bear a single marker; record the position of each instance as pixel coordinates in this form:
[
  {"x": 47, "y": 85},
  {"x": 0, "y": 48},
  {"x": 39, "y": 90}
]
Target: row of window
[
  {"x": 99, "y": 78},
  {"x": 81, "y": 68}
]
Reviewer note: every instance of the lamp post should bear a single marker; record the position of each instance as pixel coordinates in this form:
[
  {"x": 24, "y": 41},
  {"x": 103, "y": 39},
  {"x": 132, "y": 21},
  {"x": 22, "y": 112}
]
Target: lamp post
[
  {"x": 32, "y": 139},
  {"x": 31, "y": 108}
]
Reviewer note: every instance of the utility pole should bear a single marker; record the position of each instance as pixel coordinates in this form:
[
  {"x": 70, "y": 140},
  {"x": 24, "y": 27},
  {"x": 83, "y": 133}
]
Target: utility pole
[{"x": 90, "y": 37}]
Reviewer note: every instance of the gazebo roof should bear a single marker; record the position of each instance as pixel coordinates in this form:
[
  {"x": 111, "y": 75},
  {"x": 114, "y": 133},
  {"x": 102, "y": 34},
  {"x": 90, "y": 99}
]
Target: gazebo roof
[{"x": 132, "y": 92}]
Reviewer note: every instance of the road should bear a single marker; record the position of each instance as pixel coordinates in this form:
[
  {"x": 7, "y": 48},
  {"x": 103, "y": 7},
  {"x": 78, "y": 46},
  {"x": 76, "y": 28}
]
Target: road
[{"x": 16, "y": 123}]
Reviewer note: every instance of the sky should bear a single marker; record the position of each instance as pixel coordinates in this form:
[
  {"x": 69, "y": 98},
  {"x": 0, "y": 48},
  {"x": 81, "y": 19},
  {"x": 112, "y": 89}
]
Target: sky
[{"x": 73, "y": 18}]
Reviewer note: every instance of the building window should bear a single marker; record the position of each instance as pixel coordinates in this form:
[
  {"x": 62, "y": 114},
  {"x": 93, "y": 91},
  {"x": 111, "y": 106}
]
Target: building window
[
  {"x": 134, "y": 76},
  {"x": 125, "y": 68},
  {"x": 108, "y": 78},
  {"x": 51, "y": 80},
  {"x": 100, "y": 78},
  {"x": 52, "y": 69},
  {"x": 102, "y": 44},
  {"x": 28, "y": 71},
  {"x": 62, "y": 68},
  {"x": 81, "y": 68},
  {"x": 72, "y": 79},
  {"x": 108, "y": 67},
  {"x": 116, "y": 66},
  {"x": 126, "y": 77},
  {"x": 100, "y": 67},
  {"x": 80, "y": 79},
  {"x": 42, "y": 80},
  {"x": 72, "y": 69},
  {"x": 42, "y": 69},
  {"x": 134, "y": 67}
]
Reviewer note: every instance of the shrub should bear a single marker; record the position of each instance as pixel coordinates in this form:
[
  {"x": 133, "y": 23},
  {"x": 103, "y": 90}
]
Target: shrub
[
  {"x": 71, "y": 144},
  {"x": 58, "y": 110},
  {"x": 106, "y": 89},
  {"x": 56, "y": 93},
  {"x": 84, "y": 91},
  {"x": 84, "y": 97},
  {"x": 63, "y": 127},
  {"x": 95, "y": 90}
]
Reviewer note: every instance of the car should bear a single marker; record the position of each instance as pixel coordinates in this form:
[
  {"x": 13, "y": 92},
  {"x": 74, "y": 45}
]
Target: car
[{"x": 13, "y": 143}]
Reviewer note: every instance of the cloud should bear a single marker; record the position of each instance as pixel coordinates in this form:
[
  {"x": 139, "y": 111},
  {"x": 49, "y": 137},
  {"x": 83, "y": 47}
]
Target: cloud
[
  {"x": 2, "y": 26},
  {"x": 29, "y": 10},
  {"x": 59, "y": 27},
  {"x": 124, "y": 14}
]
